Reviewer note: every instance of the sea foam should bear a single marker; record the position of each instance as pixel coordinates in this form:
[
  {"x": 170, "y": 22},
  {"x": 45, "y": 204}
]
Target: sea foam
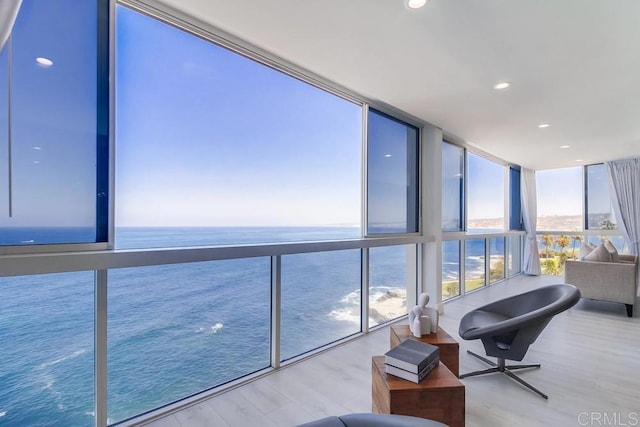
[
  {"x": 211, "y": 329},
  {"x": 62, "y": 359},
  {"x": 346, "y": 314}
]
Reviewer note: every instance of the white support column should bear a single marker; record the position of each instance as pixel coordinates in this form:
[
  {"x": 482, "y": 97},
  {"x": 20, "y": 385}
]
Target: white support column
[
  {"x": 100, "y": 346},
  {"x": 431, "y": 214}
]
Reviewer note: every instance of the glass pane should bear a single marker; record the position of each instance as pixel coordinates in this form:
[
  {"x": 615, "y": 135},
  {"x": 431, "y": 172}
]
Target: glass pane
[
  {"x": 452, "y": 187},
  {"x": 496, "y": 259},
  {"x": 391, "y": 274},
  {"x": 450, "y": 269},
  {"x": 599, "y": 209},
  {"x": 550, "y": 256},
  {"x": 320, "y": 300},
  {"x": 50, "y": 194},
  {"x": 46, "y": 368},
  {"x": 474, "y": 264},
  {"x": 176, "y": 330},
  {"x": 515, "y": 255},
  {"x": 485, "y": 194},
  {"x": 210, "y": 138},
  {"x": 515, "y": 210},
  {"x": 392, "y": 178},
  {"x": 559, "y": 194}
]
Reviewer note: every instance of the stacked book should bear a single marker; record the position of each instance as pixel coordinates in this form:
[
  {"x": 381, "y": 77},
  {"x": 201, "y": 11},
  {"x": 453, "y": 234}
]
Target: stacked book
[{"x": 411, "y": 360}]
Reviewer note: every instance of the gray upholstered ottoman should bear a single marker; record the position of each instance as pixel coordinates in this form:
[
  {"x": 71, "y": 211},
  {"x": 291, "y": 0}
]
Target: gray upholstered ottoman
[{"x": 373, "y": 420}]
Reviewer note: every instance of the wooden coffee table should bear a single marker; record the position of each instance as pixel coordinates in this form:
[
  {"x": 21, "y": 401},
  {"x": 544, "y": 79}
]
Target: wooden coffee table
[
  {"x": 449, "y": 348},
  {"x": 440, "y": 396}
]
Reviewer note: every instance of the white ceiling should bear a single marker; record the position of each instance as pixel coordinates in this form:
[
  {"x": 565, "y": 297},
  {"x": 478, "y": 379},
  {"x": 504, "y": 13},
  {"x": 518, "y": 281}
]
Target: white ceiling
[{"x": 572, "y": 63}]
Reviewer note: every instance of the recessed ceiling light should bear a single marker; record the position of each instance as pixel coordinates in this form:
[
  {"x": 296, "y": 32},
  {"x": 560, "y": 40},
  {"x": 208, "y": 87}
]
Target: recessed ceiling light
[
  {"x": 416, "y": 4},
  {"x": 565, "y": 146},
  {"x": 501, "y": 85},
  {"x": 36, "y": 148},
  {"x": 543, "y": 125},
  {"x": 44, "y": 62},
  {"x": 579, "y": 160},
  {"x": 387, "y": 155}
]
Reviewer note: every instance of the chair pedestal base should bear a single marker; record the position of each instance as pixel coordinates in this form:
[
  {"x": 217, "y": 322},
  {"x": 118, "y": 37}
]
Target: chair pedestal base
[{"x": 505, "y": 369}]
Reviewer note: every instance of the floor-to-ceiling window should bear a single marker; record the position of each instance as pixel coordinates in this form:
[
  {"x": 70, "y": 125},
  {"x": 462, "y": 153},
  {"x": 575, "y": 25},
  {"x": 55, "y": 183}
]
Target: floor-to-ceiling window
[
  {"x": 482, "y": 242},
  {"x": 514, "y": 241},
  {"x": 453, "y": 170},
  {"x": 574, "y": 206},
  {"x": 214, "y": 148},
  {"x": 392, "y": 202},
  {"x": 53, "y": 196},
  {"x": 560, "y": 207}
]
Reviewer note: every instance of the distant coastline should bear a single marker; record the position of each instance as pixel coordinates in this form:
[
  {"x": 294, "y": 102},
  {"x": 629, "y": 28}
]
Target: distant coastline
[{"x": 568, "y": 223}]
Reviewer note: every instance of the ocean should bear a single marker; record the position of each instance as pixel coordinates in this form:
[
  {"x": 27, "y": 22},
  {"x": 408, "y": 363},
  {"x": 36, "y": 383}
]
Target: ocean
[{"x": 175, "y": 330}]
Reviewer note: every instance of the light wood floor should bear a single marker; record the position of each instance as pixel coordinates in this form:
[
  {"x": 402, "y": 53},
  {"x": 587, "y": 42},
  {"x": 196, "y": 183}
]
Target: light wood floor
[{"x": 590, "y": 359}]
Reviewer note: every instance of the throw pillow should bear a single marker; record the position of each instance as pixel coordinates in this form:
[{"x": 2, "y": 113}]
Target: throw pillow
[
  {"x": 585, "y": 249},
  {"x": 599, "y": 254},
  {"x": 612, "y": 250}
]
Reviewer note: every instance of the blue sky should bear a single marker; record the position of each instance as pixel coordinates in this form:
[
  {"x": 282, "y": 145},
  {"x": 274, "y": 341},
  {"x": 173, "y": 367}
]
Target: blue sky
[
  {"x": 208, "y": 137},
  {"x": 559, "y": 191},
  {"x": 486, "y": 186}
]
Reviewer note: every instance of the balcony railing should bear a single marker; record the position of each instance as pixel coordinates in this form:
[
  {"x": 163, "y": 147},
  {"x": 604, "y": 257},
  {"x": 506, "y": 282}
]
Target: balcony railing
[
  {"x": 464, "y": 260},
  {"x": 160, "y": 328}
]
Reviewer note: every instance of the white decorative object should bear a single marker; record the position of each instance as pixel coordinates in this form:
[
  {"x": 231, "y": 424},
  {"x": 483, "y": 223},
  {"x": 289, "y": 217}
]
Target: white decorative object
[
  {"x": 433, "y": 315},
  {"x": 422, "y": 319},
  {"x": 419, "y": 324}
]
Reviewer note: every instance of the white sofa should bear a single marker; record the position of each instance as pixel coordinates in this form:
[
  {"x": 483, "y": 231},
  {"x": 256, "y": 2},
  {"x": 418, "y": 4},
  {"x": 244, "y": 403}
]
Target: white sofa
[{"x": 606, "y": 281}]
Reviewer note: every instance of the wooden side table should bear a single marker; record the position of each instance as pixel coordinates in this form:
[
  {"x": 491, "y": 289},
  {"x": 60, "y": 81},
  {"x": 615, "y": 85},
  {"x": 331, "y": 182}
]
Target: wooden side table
[
  {"x": 449, "y": 347},
  {"x": 440, "y": 396}
]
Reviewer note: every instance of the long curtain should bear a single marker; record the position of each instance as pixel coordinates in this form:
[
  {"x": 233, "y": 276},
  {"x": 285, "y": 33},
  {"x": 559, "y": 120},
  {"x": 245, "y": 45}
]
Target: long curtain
[
  {"x": 531, "y": 258},
  {"x": 624, "y": 181},
  {"x": 8, "y": 12}
]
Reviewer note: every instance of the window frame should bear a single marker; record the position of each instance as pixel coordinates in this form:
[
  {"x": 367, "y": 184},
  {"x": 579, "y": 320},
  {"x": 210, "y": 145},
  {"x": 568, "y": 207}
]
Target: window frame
[{"x": 104, "y": 145}]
